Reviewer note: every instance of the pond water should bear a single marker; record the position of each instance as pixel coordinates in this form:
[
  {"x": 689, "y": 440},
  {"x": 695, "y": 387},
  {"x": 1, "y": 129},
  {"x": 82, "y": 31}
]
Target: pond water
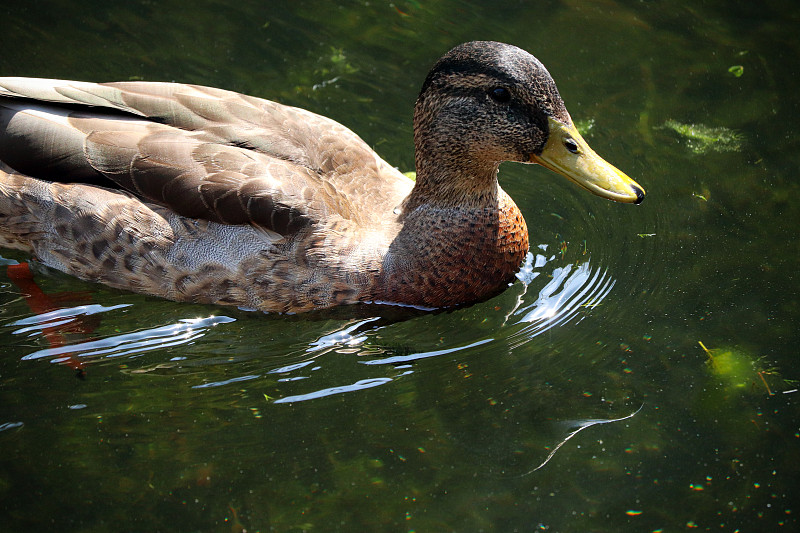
[{"x": 639, "y": 376}]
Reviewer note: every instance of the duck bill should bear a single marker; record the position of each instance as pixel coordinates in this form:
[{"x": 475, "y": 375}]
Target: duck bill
[{"x": 567, "y": 153}]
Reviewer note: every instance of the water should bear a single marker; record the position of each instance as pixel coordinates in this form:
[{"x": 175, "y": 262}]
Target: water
[{"x": 120, "y": 412}]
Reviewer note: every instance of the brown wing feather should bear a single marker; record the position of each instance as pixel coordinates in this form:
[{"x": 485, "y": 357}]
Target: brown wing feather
[
  {"x": 216, "y": 182},
  {"x": 280, "y": 186}
]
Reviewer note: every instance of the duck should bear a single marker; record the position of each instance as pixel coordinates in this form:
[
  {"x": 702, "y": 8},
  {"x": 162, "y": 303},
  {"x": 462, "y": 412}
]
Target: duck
[{"x": 196, "y": 194}]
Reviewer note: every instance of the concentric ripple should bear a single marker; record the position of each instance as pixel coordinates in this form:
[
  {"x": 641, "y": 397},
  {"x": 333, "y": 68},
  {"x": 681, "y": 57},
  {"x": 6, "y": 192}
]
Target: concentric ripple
[{"x": 572, "y": 289}]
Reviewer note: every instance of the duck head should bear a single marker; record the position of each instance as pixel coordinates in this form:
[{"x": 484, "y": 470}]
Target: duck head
[{"x": 486, "y": 102}]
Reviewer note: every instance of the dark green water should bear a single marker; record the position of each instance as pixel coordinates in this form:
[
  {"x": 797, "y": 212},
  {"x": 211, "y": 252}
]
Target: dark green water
[{"x": 196, "y": 418}]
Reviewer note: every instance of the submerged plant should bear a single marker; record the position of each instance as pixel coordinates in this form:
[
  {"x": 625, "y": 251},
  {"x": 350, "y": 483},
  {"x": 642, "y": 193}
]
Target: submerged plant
[
  {"x": 738, "y": 371},
  {"x": 736, "y": 70},
  {"x": 701, "y": 139}
]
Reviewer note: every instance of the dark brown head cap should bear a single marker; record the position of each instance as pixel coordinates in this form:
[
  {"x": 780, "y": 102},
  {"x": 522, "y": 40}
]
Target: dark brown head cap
[{"x": 500, "y": 65}]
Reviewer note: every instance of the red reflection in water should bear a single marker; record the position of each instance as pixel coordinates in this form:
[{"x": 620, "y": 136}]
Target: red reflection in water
[{"x": 39, "y": 302}]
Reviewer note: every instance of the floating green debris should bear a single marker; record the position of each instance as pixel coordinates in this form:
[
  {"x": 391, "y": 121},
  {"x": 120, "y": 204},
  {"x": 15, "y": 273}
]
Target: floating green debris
[
  {"x": 338, "y": 55},
  {"x": 701, "y": 139},
  {"x": 737, "y": 369},
  {"x": 338, "y": 66},
  {"x": 584, "y": 126},
  {"x": 736, "y": 70},
  {"x": 412, "y": 175}
]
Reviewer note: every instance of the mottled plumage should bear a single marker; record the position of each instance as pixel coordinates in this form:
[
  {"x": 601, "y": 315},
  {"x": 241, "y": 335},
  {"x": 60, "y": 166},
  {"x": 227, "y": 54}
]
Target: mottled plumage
[{"x": 199, "y": 194}]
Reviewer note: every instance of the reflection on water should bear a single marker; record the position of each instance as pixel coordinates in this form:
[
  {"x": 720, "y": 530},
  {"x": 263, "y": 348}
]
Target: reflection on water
[
  {"x": 342, "y": 337},
  {"x": 571, "y": 289},
  {"x": 128, "y": 344},
  {"x": 401, "y": 359},
  {"x": 565, "y": 295},
  {"x": 225, "y": 382},
  {"x": 579, "y": 426},
  {"x": 58, "y": 318},
  {"x": 357, "y": 386},
  {"x": 10, "y": 425}
]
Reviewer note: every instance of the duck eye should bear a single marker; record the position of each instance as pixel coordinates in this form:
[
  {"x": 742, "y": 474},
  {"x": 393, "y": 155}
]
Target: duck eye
[
  {"x": 500, "y": 95},
  {"x": 571, "y": 145}
]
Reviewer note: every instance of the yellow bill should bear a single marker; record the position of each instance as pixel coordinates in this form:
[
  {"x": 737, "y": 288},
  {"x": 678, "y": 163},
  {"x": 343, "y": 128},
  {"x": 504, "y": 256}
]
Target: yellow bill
[{"x": 567, "y": 153}]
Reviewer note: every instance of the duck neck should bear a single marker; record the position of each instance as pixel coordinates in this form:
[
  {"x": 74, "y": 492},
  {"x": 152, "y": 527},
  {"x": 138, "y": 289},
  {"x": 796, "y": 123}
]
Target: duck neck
[{"x": 448, "y": 176}]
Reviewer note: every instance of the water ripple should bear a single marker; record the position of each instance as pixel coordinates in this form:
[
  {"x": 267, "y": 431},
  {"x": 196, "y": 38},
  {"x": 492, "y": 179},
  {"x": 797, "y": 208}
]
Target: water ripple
[
  {"x": 10, "y": 425},
  {"x": 421, "y": 355},
  {"x": 358, "y": 385},
  {"x": 572, "y": 290},
  {"x": 226, "y": 382},
  {"x": 341, "y": 337},
  {"x": 59, "y": 317},
  {"x": 182, "y": 332}
]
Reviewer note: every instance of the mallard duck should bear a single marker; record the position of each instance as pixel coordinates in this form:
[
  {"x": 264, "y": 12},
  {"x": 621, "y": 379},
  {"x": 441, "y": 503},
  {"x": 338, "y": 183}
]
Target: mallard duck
[{"x": 204, "y": 195}]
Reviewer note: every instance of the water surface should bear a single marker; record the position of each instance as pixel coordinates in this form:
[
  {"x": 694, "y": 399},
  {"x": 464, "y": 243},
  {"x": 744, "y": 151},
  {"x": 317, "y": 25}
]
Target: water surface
[{"x": 120, "y": 412}]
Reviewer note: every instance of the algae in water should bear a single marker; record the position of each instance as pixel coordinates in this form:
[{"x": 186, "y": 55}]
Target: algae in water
[{"x": 701, "y": 139}]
